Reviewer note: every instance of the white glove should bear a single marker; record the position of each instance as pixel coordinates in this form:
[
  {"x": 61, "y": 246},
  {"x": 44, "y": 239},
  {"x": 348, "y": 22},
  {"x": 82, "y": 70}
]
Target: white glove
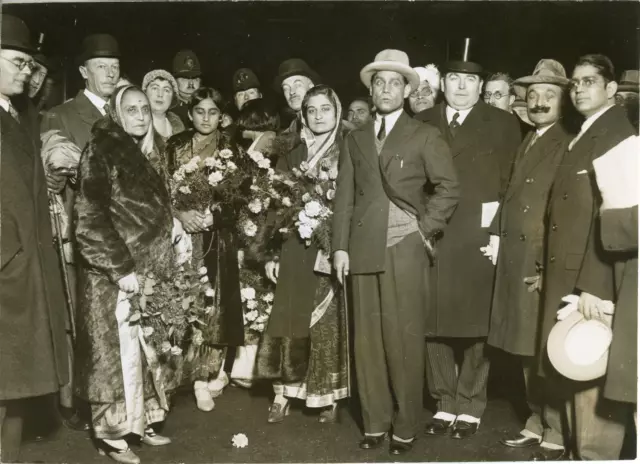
[
  {"x": 491, "y": 250},
  {"x": 572, "y": 305}
]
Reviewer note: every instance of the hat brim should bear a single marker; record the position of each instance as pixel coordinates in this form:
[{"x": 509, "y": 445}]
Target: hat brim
[
  {"x": 466, "y": 67},
  {"x": 83, "y": 57},
  {"x": 26, "y": 48},
  {"x": 407, "y": 71},
  {"x": 560, "y": 359},
  {"x": 310, "y": 73},
  {"x": 629, "y": 88},
  {"x": 188, "y": 74},
  {"x": 520, "y": 85}
]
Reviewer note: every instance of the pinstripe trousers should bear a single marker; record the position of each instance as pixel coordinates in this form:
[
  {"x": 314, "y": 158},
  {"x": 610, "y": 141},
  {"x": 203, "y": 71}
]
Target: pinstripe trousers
[{"x": 458, "y": 393}]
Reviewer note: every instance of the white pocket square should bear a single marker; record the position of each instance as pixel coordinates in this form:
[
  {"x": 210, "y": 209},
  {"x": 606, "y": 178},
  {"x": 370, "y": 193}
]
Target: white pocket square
[{"x": 584, "y": 171}]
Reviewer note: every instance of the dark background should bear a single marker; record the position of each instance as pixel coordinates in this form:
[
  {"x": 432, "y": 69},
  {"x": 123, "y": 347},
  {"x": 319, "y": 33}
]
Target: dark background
[{"x": 336, "y": 38}]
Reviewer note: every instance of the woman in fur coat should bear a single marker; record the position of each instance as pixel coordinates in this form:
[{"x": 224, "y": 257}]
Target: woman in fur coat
[
  {"x": 123, "y": 227},
  {"x": 215, "y": 246}
]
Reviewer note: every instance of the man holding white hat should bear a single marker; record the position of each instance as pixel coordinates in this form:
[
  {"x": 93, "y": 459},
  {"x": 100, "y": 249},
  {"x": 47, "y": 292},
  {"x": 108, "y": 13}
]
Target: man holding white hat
[
  {"x": 382, "y": 231},
  {"x": 424, "y": 97}
]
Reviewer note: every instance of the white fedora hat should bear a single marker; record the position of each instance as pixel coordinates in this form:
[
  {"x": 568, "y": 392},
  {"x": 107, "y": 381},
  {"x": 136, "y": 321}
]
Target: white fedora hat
[
  {"x": 579, "y": 348},
  {"x": 390, "y": 60}
]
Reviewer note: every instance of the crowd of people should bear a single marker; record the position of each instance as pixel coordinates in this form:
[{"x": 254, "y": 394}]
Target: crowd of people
[{"x": 470, "y": 213}]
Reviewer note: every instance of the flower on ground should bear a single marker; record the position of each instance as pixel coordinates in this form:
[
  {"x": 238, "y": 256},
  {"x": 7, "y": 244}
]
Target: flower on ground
[{"x": 240, "y": 440}]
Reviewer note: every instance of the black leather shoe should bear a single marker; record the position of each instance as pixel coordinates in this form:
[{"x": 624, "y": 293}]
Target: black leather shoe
[
  {"x": 76, "y": 423},
  {"x": 372, "y": 442},
  {"x": 438, "y": 427},
  {"x": 462, "y": 429},
  {"x": 520, "y": 442},
  {"x": 549, "y": 455},
  {"x": 399, "y": 447}
]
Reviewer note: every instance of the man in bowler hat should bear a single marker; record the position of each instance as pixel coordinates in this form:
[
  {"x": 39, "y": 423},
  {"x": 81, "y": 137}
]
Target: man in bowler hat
[
  {"x": 483, "y": 142},
  {"x": 99, "y": 65},
  {"x": 246, "y": 87},
  {"x": 383, "y": 224},
  {"x": 33, "y": 360}
]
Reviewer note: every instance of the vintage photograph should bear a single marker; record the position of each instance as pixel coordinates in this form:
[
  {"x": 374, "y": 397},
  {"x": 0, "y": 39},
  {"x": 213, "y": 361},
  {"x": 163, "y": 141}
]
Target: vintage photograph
[{"x": 318, "y": 231}]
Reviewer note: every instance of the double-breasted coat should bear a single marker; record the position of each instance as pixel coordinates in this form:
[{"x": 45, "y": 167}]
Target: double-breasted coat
[
  {"x": 482, "y": 149},
  {"x": 575, "y": 260},
  {"x": 33, "y": 347},
  {"x": 520, "y": 225}
]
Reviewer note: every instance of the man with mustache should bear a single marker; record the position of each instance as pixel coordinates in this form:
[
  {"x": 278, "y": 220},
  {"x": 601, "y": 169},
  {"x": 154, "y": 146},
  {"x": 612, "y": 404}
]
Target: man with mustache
[
  {"x": 516, "y": 247},
  {"x": 360, "y": 111},
  {"x": 483, "y": 142},
  {"x": 99, "y": 65},
  {"x": 424, "y": 97}
]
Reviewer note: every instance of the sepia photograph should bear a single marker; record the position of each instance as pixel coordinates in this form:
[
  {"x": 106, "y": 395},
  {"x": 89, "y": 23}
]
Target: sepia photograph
[{"x": 318, "y": 231}]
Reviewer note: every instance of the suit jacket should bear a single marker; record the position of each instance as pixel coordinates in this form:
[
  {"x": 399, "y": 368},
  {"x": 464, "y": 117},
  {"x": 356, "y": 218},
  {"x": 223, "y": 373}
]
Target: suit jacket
[
  {"x": 575, "y": 260},
  {"x": 483, "y": 150},
  {"x": 619, "y": 230},
  {"x": 414, "y": 157},
  {"x": 33, "y": 346},
  {"x": 520, "y": 225}
]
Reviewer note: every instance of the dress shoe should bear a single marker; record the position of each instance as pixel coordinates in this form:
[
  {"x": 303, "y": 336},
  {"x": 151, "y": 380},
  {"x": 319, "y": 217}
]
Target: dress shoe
[
  {"x": 74, "y": 422},
  {"x": 203, "y": 397},
  {"x": 372, "y": 441},
  {"x": 277, "y": 412},
  {"x": 520, "y": 442},
  {"x": 549, "y": 455},
  {"x": 400, "y": 447},
  {"x": 329, "y": 415},
  {"x": 463, "y": 429},
  {"x": 438, "y": 427},
  {"x": 125, "y": 456},
  {"x": 151, "y": 438}
]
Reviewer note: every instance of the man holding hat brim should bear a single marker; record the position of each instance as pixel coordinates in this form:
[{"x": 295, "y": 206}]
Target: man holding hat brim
[
  {"x": 516, "y": 247},
  {"x": 575, "y": 262},
  {"x": 483, "y": 142},
  {"x": 424, "y": 97},
  {"x": 246, "y": 87},
  {"x": 383, "y": 225},
  {"x": 295, "y": 77},
  {"x": 99, "y": 65},
  {"x": 33, "y": 347},
  {"x": 186, "y": 70}
]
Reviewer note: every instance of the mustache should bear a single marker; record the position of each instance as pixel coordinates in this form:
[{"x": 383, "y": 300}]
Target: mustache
[{"x": 540, "y": 109}]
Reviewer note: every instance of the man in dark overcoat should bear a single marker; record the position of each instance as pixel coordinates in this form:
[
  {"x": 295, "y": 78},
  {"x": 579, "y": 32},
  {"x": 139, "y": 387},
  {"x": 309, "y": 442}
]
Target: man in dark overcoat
[
  {"x": 518, "y": 231},
  {"x": 100, "y": 68},
  {"x": 575, "y": 262},
  {"x": 483, "y": 141},
  {"x": 33, "y": 349},
  {"x": 383, "y": 221}
]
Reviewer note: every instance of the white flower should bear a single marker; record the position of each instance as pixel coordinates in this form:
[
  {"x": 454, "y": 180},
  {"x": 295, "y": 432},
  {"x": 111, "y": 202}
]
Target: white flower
[
  {"x": 304, "y": 166},
  {"x": 248, "y": 293},
  {"x": 250, "y": 229},
  {"x": 312, "y": 208},
  {"x": 254, "y": 188},
  {"x": 178, "y": 176},
  {"x": 264, "y": 163},
  {"x": 197, "y": 339},
  {"x": 147, "y": 331},
  {"x": 255, "y": 206},
  {"x": 252, "y": 304},
  {"x": 202, "y": 271},
  {"x": 268, "y": 309},
  {"x": 192, "y": 165},
  {"x": 258, "y": 327},
  {"x": 318, "y": 189},
  {"x": 226, "y": 153},
  {"x": 283, "y": 230},
  {"x": 214, "y": 178},
  {"x": 204, "y": 279},
  {"x": 176, "y": 350},
  {"x": 185, "y": 189},
  {"x": 266, "y": 202},
  {"x": 268, "y": 297},
  {"x": 305, "y": 231},
  {"x": 210, "y": 162},
  {"x": 303, "y": 218},
  {"x": 209, "y": 310},
  {"x": 323, "y": 175},
  {"x": 231, "y": 166},
  {"x": 251, "y": 315},
  {"x": 306, "y": 197},
  {"x": 331, "y": 194},
  {"x": 166, "y": 346},
  {"x": 240, "y": 440},
  {"x": 262, "y": 318},
  {"x": 271, "y": 173},
  {"x": 286, "y": 201},
  {"x": 219, "y": 164},
  {"x": 333, "y": 172},
  {"x": 210, "y": 293}
]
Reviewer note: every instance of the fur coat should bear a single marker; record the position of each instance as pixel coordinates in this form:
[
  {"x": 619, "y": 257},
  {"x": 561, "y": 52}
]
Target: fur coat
[{"x": 123, "y": 224}]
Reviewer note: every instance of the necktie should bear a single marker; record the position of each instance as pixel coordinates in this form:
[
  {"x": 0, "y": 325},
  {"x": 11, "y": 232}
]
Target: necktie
[
  {"x": 382, "y": 132},
  {"x": 14, "y": 113},
  {"x": 532, "y": 141},
  {"x": 105, "y": 109},
  {"x": 454, "y": 124}
]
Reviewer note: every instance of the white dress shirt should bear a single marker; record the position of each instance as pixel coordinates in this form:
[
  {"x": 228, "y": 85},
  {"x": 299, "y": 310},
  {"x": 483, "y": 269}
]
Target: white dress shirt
[
  {"x": 5, "y": 104},
  {"x": 389, "y": 121},
  {"x": 97, "y": 101},
  {"x": 462, "y": 114}
]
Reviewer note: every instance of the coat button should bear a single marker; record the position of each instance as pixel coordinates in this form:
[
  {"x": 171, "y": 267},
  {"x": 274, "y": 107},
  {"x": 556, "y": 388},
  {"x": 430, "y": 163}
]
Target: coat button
[
  {"x": 529, "y": 180},
  {"x": 504, "y": 234},
  {"x": 523, "y": 237},
  {"x": 525, "y": 208},
  {"x": 554, "y": 227},
  {"x": 552, "y": 259},
  {"x": 359, "y": 223},
  {"x": 565, "y": 196},
  {"x": 361, "y": 192}
]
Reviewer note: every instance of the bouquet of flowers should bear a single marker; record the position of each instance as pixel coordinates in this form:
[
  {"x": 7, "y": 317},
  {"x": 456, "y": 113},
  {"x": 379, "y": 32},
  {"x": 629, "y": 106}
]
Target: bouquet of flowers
[{"x": 257, "y": 297}]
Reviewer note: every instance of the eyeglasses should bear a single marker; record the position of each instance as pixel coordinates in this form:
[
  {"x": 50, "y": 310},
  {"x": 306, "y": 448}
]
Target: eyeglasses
[
  {"x": 496, "y": 95},
  {"x": 425, "y": 92},
  {"x": 585, "y": 81},
  {"x": 21, "y": 64}
]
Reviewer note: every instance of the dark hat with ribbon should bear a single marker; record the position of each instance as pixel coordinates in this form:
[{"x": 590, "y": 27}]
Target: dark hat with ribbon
[
  {"x": 244, "y": 79},
  {"x": 463, "y": 65},
  {"x": 186, "y": 64},
  {"x": 99, "y": 46},
  {"x": 629, "y": 81},
  {"x": 15, "y": 35},
  {"x": 294, "y": 67}
]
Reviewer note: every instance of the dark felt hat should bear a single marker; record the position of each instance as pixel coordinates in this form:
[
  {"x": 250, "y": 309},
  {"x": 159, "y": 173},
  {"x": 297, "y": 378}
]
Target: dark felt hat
[
  {"x": 244, "y": 79},
  {"x": 186, "y": 64},
  {"x": 461, "y": 63},
  {"x": 99, "y": 46},
  {"x": 294, "y": 67},
  {"x": 15, "y": 35},
  {"x": 629, "y": 81}
]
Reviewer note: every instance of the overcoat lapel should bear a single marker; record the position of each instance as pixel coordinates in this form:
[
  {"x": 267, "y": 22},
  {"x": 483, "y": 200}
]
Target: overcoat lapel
[
  {"x": 87, "y": 111},
  {"x": 364, "y": 138},
  {"x": 401, "y": 132},
  {"x": 467, "y": 134},
  {"x": 22, "y": 148}
]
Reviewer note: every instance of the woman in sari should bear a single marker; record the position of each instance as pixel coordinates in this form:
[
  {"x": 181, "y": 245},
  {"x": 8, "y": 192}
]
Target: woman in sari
[
  {"x": 123, "y": 229},
  {"x": 304, "y": 347},
  {"x": 214, "y": 246}
]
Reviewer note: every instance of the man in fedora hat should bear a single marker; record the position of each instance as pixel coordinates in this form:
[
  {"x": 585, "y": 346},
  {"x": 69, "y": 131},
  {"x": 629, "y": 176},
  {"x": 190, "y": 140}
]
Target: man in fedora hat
[
  {"x": 186, "y": 70},
  {"x": 383, "y": 225},
  {"x": 424, "y": 97},
  {"x": 246, "y": 87},
  {"x": 627, "y": 94},
  {"x": 32, "y": 321},
  {"x": 516, "y": 247},
  {"x": 99, "y": 65},
  {"x": 483, "y": 143},
  {"x": 575, "y": 262}
]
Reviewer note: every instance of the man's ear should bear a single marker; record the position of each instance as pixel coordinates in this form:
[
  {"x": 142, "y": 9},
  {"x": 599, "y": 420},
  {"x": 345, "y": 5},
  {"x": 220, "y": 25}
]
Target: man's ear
[
  {"x": 512, "y": 98},
  {"x": 83, "y": 71},
  {"x": 407, "y": 91},
  {"x": 612, "y": 89},
  {"x": 190, "y": 117}
]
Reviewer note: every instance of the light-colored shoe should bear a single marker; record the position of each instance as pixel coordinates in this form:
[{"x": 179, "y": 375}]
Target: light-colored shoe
[
  {"x": 151, "y": 438},
  {"x": 203, "y": 398},
  {"x": 216, "y": 386},
  {"x": 125, "y": 456}
]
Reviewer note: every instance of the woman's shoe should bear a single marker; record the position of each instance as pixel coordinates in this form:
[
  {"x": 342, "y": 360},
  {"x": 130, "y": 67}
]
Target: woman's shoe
[
  {"x": 329, "y": 415},
  {"x": 151, "y": 438},
  {"x": 203, "y": 398},
  {"x": 125, "y": 456},
  {"x": 216, "y": 386},
  {"x": 277, "y": 412}
]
